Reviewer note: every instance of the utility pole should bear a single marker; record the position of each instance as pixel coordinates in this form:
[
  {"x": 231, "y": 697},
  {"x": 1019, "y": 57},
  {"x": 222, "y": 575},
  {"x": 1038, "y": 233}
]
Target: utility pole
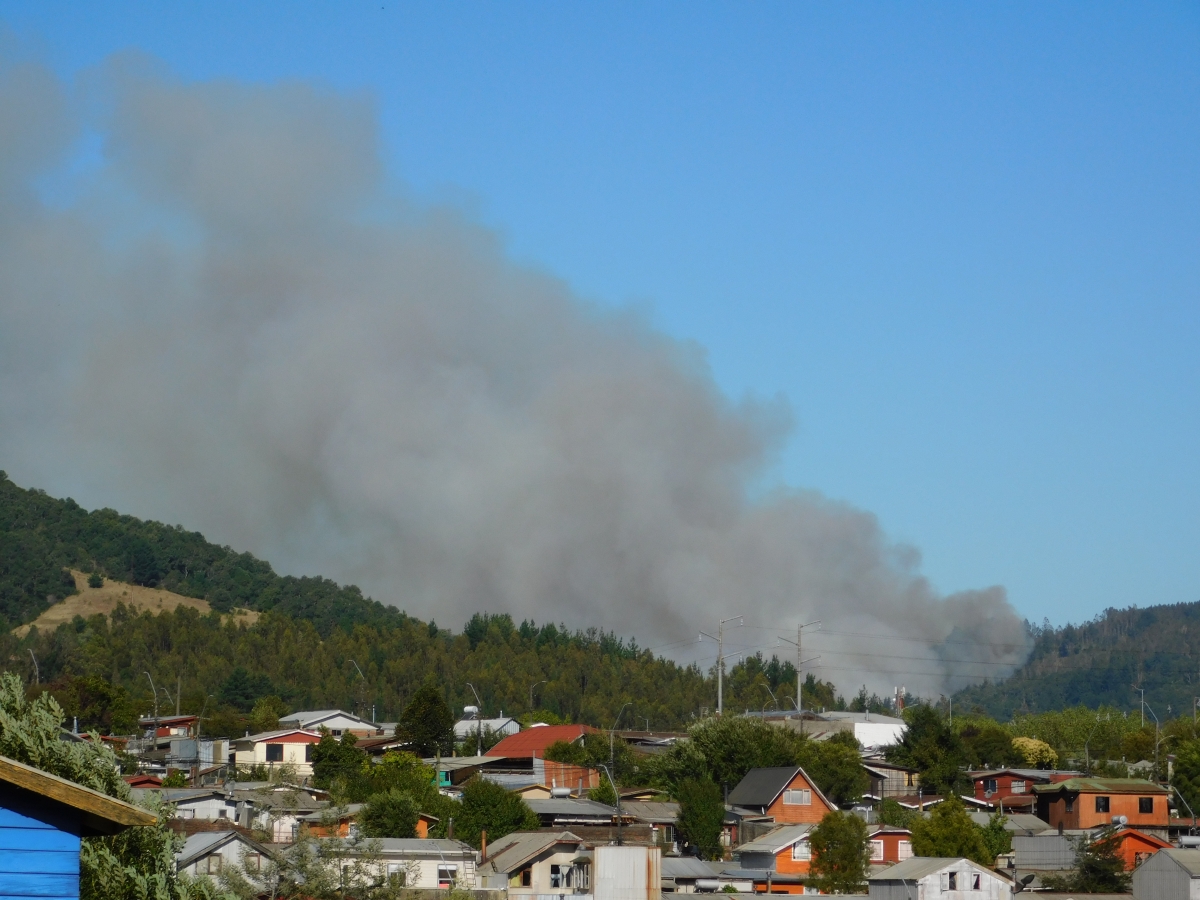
[
  {"x": 800, "y": 667},
  {"x": 720, "y": 639},
  {"x": 479, "y": 719},
  {"x": 154, "y": 742},
  {"x": 178, "y": 689},
  {"x": 531, "y": 687}
]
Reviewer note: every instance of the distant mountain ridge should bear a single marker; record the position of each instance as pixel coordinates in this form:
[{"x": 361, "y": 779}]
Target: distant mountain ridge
[
  {"x": 1106, "y": 661},
  {"x": 41, "y": 538}
]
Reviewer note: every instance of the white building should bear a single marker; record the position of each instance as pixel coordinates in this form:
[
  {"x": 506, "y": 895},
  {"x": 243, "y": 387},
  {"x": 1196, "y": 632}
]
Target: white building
[
  {"x": 214, "y": 852},
  {"x": 336, "y": 721},
  {"x": 1168, "y": 875},
  {"x": 502, "y": 727},
  {"x": 927, "y": 878},
  {"x": 275, "y": 749},
  {"x": 413, "y": 862}
]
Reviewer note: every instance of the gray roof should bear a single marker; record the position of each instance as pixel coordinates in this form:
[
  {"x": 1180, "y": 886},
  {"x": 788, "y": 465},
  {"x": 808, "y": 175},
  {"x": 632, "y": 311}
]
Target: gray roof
[
  {"x": 686, "y": 867},
  {"x": 774, "y": 841},
  {"x": 1188, "y": 860},
  {"x": 563, "y": 807},
  {"x": 268, "y": 735},
  {"x": 760, "y": 787},
  {"x": 305, "y": 716},
  {"x": 512, "y": 851},
  {"x": 200, "y": 845},
  {"x": 918, "y": 867},
  {"x": 650, "y": 810},
  {"x": 840, "y": 716},
  {"x": 424, "y": 847},
  {"x": 1018, "y": 823},
  {"x": 1032, "y": 774}
]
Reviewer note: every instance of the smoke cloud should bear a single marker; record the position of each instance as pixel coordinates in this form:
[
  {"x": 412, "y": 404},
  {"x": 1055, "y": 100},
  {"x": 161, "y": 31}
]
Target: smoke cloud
[{"x": 215, "y": 309}]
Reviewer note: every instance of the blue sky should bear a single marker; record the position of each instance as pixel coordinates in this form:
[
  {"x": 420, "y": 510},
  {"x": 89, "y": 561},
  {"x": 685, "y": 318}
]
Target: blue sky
[{"x": 962, "y": 240}]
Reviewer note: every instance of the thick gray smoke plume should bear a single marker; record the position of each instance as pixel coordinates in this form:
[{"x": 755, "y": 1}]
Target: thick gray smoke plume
[{"x": 226, "y": 318}]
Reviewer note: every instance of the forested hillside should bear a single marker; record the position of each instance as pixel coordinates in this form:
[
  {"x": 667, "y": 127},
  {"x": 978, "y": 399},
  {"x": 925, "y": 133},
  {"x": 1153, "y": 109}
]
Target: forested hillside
[
  {"x": 1103, "y": 663},
  {"x": 318, "y": 644},
  {"x": 40, "y": 537}
]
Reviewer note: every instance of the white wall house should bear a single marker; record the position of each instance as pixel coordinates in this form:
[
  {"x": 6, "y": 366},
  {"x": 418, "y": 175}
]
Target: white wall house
[
  {"x": 927, "y": 878},
  {"x": 502, "y": 726},
  {"x": 336, "y": 721},
  {"x": 215, "y": 852},
  {"x": 413, "y": 862},
  {"x": 275, "y": 749}
]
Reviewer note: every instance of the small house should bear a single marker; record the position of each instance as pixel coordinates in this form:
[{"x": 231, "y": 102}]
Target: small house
[
  {"x": 784, "y": 850},
  {"x": 42, "y": 819},
  {"x": 1080, "y": 803},
  {"x": 501, "y": 726},
  {"x": 1135, "y": 847},
  {"x": 888, "y": 844},
  {"x": 336, "y": 721},
  {"x": 1168, "y": 875},
  {"x": 526, "y": 863},
  {"x": 1012, "y": 789},
  {"x": 785, "y": 793},
  {"x": 684, "y": 874},
  {"x": 889, "y": 779},
  {"x": 214, "y": 852},
  {"x": 275, "y": 749},
  {"x": 930, "y": 878}
]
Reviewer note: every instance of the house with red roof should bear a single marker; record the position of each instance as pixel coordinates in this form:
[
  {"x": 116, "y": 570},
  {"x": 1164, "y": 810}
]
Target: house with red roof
[{"x": 532, "y": 743}]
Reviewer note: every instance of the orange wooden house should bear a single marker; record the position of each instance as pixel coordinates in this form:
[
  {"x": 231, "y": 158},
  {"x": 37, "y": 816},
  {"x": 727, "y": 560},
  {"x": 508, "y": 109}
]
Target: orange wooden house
[
  {"x": 1135, "y": 847},
  {"x": 785, "y": 793},
  {"x": 1080, "y": 803}
]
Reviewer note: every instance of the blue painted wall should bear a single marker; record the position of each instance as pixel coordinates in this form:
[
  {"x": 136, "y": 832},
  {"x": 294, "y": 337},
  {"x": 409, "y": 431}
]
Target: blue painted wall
[{"x": 39, "y": 850}]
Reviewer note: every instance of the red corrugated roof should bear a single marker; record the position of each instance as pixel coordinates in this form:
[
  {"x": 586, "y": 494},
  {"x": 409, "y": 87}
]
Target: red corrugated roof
[{"x": 534, "y": 741}]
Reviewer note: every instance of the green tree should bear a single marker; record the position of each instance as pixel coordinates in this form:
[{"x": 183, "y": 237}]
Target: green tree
[
  {"x": 139, "y": 862},
  {"x": 1099, "y": 868},
  {"x": 265, "y": 714},
  {"x": 997, "y": 838},
  {"x": 1186, "y": 775},
  {"x": 486, "y": 806},
  {"x": 701, "y": 816},
  {"x": 241, "y": 689},
  {"x": 949, "y": 831},
  {"x": 836, "y": 767},
  {"x": 603, "y": 792},
  {"x": 839, "y": 854},
  {"x": 337, "y": 761},
  {"x": 392, "y": 814},
  {"x": 931, "y": 747},
  {"x": 892, "y": 813},
  {"x": 95, "y": 580},
  {"x": 427, "y": 722},
  {"x": 175, "y": 780},
  {"x": 986, "y": 744}
]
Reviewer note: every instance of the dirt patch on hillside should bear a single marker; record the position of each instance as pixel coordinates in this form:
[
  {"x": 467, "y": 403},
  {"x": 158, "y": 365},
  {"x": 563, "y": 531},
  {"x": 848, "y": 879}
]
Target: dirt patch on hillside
[{"x": 103, "y": 600}]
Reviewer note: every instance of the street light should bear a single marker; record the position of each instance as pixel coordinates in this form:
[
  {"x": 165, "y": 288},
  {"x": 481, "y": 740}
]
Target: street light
[
  {"x": 767, "y": 688},
  {"x": 479, "y": 719},
  {"x": 616, "y": 791}
]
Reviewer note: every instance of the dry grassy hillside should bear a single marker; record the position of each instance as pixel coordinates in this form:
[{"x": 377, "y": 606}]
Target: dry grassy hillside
[{"x": 103, "y": 600}]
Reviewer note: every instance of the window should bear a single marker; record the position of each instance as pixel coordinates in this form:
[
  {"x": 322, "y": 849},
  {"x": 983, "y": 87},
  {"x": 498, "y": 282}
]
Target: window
[
  {"x": 989, "y": 785},
  {"x": 1145, "y": 804},
  {"x": 1018, "y": 787},
  {"x": 801, "y": 850},
  {"x": 274, "y": 752},
  {"x": 308, "y": 752},
  {"x": 447, "y": 876},
  {"x": 214, "y": 865},
  {"x": 185, "y": 814},
  {"x": 876, "y": 851},
  {"x": 396, "y": 874},
  {"x": 1070, "y": 804},
  {"x": 797, "y": 798},
  {"x": 222, "y": 814},
  {"x": 1102, "y": 804},
  {"x": 252, "y": 862},
  {"x": 904, "y": 850},
  {"x": 975, "y": 882},
  {"x": 556, "y": 879},
  {"x": 527, "y": 877},
  {"x": 951, "y": 883},
  {"x": 337, "y": 732}
]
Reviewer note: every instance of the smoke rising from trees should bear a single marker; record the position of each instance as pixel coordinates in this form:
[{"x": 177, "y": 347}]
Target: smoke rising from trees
[{"x": 215, "y": 309}]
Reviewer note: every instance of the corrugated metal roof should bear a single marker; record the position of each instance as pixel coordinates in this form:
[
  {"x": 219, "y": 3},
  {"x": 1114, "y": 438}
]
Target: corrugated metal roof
[
  {"x": 1032, "y": 774},
  {"x": 685, "y": 867},
  {"x": 513, "y": 851},
  {"x": 1188, "y": 860},
  {"x": 776, "y": 840},
  {"x": 1103, "y": 786},
  {"x": 918, "y": 867},
  {"x": 566, "y": 807},
  {"x": 534, "y": 741},
  {"x": 651, "y": 810},
  {"x": 760, "y": 787}
]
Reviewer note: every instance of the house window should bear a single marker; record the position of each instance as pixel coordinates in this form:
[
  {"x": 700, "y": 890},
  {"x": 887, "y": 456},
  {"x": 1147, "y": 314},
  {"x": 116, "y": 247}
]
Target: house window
[
  {"x": 1102, "y": 804},
  {"x": 876, "y": 851},
  {"x": 337, "y": 732},
  {"x": 222, "y": 814},
  {"x": 801, "y": 850},
  {"x": 904, "y": 850},
  {"x": 951, "y": 882},
  {"x": 989, "y": 785},
  {"x": 308, "y": 750},
  {"x": 560, "y": 876},
  {"x": 214, "y": 865},
  {"x": 252, "y": 862},
  {"x": 797, "y": 798},
  {"x": 527, "y": 877},
  {"x": 447, "y": 876},
  {"x": 1145, "y": 805},
  {"x": 1018, "y": 787},
  {"x": 396, "y": 874},
  {"x": 274, "y": 752},
  {"x": 185, "y": 814},
  {"x": 975, "y": 882},
  {"x": 1070, "y": 804}
]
